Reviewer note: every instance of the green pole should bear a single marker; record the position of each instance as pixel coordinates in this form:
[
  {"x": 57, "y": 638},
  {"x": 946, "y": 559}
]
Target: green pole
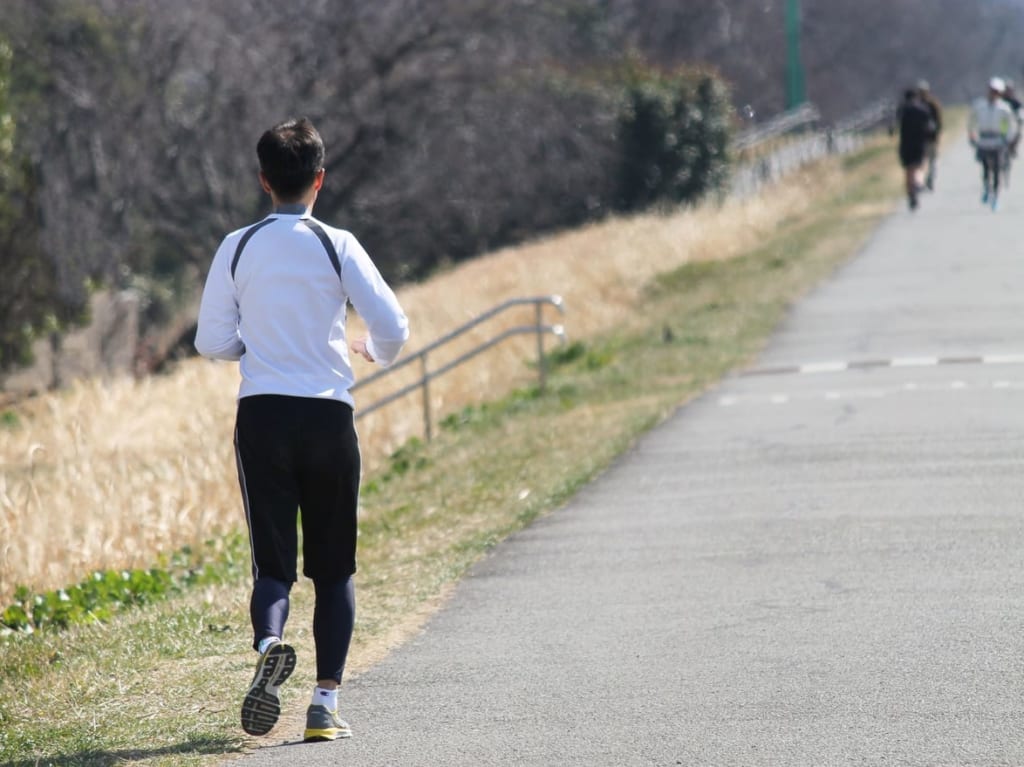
[{"x": 795, "y": 91}]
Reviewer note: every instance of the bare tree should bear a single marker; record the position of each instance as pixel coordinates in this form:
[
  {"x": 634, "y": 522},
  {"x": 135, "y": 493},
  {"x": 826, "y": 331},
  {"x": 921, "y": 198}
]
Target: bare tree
[{"x": 453, "y": 126}]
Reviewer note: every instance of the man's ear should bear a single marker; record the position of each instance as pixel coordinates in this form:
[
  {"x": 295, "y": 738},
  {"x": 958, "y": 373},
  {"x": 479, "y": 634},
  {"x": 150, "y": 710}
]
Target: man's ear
[
  {"x": 318, "y": 182},
  {"x": 265, "y": 184}
]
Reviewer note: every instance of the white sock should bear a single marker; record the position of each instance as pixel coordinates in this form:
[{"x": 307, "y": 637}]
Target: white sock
[
  {"x": 326, "y": 698},
  {"x": 266, "y": 642}
]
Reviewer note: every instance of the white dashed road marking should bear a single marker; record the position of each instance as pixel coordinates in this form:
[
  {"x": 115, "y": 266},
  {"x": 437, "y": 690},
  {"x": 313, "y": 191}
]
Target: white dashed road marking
[
  {"x": 817, "y": 368},
  {"x": 913, "y": 362},
  {"x": 894, "y": 362},
  {"x": 832, "y": 395}
]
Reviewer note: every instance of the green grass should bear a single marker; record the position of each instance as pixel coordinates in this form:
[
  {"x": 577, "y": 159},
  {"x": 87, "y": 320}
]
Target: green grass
[
  {"x": 161, "y": 684},
  {"x": 100, "y": 596}
]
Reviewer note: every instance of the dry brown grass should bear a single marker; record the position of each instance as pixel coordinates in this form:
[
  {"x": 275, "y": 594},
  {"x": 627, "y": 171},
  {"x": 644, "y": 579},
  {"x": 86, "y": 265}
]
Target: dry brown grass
[{"x": 109, "y": 474}]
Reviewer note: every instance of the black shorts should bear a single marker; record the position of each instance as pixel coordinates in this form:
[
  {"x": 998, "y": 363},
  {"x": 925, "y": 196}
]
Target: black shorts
[
  {"x": 299, "y": 453},
  {"x": 912, "y": 154}
]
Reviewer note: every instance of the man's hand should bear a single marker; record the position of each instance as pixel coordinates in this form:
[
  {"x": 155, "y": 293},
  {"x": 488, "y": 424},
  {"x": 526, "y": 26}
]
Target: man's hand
[{"x": 359, "y": 347}]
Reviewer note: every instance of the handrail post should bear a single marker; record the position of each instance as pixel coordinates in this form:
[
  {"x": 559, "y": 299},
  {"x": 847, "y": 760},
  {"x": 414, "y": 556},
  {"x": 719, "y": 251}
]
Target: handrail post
[
  {"x": 539, "y": 317},
  {"x": 426, "y": 398}
]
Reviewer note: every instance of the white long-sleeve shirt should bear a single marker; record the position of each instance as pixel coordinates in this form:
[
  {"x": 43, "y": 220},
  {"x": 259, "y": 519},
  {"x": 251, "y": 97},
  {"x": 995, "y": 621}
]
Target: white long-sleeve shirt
[
  {"x": 991, "y": 124},
  {"x": 279, "y": 307}
]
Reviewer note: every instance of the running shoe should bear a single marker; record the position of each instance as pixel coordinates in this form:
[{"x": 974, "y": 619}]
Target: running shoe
[
  {"x": 323, "y": 724},
  {"x": 262, "y": 706}
]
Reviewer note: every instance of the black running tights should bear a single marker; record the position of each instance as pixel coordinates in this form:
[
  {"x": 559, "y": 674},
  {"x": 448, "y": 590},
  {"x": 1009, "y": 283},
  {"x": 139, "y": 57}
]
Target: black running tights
[{"x": 334, "y": 616}]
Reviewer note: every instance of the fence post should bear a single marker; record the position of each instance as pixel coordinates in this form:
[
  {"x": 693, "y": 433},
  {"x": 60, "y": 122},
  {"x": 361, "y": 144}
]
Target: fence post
[
  {"x": 426, "y": 398},
  {"x": 538, "y": 320}
]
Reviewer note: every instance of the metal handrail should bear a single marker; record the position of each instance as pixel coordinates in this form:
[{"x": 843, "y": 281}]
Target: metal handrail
[
  {"x": 426, "y": 376},
  {"x": 869, "y": 117},
  {"x": 787, "y": 122},
  {"x": 816, "y": 139}
]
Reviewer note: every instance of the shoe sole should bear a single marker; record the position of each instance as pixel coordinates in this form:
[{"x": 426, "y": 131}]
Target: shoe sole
[
  {"x": 311, "y": 736},
  {"x": 262, "y": 707}
]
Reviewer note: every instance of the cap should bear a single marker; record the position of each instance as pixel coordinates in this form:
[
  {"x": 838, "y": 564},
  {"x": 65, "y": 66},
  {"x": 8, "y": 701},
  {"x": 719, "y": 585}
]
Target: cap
[
  {"x": 922, "y": 85},
  {"x": 996, "y": 84}
]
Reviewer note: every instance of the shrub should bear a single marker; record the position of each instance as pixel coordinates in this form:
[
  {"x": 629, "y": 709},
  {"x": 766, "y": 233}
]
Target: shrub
[{"x": 673, "y": 134}]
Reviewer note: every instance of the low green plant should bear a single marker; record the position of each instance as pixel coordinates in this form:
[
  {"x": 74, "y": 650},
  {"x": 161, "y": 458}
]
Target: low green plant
[
  {"x": 579, "y": 354},
  {"x": 104, "y": 593}
]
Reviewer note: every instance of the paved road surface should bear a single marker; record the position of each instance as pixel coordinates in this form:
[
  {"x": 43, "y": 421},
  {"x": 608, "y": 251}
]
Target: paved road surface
[{"x": 823, "y": 565}]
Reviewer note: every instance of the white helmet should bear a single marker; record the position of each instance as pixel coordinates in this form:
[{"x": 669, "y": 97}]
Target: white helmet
[{"x": 997, "y": 84}]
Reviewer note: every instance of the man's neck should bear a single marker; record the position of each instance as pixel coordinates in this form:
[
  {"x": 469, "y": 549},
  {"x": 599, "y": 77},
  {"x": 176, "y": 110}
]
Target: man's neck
[
  {"x": 291, "y": 208},
  {"x": 295, "y": 207}
]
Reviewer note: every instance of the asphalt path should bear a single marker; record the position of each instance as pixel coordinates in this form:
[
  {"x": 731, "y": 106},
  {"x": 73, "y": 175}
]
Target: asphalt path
[{"x": 819, "y": 563}]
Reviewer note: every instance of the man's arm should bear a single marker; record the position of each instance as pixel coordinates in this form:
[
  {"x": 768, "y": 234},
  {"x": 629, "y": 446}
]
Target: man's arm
[
  {"x": 217, "y": 331},
  {"x": 376, "y": 304}
]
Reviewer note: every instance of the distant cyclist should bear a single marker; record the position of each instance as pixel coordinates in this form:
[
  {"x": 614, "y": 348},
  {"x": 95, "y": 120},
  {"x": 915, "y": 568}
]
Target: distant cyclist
[
  {"x": 915, "y": 132},
  {"x": 931, "y": 149},
  {"x": 991, "y": 129}
]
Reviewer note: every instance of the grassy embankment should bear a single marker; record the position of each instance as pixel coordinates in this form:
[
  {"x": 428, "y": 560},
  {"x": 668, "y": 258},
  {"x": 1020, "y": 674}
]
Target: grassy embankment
[{"x": 659, "y": 307}]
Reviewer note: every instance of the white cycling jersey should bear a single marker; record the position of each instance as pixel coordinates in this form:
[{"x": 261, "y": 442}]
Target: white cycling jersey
[{"x": 991, "y": 124}]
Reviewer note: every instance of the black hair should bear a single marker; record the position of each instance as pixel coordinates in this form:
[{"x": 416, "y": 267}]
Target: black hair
[{"x": 291, "y": 154}]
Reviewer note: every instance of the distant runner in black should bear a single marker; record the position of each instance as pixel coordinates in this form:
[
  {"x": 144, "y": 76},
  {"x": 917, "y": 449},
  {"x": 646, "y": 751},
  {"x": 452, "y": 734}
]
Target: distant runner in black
[{"x": 916, "y": 130}]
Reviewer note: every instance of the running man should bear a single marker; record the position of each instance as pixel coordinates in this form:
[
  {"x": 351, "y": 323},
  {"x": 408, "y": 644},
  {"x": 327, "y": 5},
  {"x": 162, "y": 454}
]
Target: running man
[
  {"x": 915, "y": 133},
  {"x": 991, "y": 129},
  {"x": 275, "y": 299}
]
